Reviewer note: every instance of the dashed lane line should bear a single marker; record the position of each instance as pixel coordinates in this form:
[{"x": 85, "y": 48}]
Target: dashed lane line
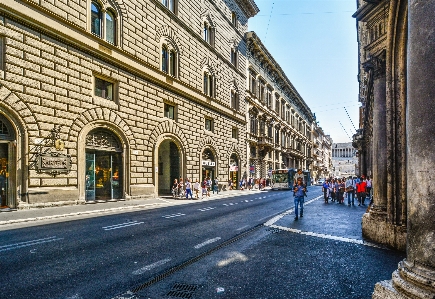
[
  {"x": 28, "y": 243},
  {"x": 174, "y": 215},
  {"x": 206, "y": 242},
  {"x": 121, "y": 225},
  {"x": 150, "y": 267}
]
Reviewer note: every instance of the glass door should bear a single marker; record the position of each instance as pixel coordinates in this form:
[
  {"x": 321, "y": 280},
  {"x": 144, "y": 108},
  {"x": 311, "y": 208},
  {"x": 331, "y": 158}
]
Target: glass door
[
  {"x": 4, "y": 174},
  {"x": 103, "y": 176},
  {"x": 90, "y": 177}
]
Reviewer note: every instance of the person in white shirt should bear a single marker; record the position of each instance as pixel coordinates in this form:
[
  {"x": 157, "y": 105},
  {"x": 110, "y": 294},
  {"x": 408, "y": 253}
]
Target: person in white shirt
[
  {"x": 188, "y": 189},
  {"x": 350, "y": 190},
  {"x": 196, "y": 187}
]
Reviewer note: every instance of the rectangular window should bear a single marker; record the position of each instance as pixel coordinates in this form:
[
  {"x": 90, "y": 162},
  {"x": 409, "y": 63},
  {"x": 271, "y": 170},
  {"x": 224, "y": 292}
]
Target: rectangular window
[
  {"x": 235, "y": 133},
  {"x": 104, "y": 89},
  {"x": 269, "y": 98},
  {"x": 169, "y": 111},
  {"x": 209, "y": 124},
  {"x": 234, "y": 57},
  {"x": 277, "y": 106},
  {"x": 261, "y": 91}
]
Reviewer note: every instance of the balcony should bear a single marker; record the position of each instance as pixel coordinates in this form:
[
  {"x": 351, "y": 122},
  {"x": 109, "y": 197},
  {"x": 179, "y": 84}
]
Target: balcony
[{"x": 265, "y": 143}]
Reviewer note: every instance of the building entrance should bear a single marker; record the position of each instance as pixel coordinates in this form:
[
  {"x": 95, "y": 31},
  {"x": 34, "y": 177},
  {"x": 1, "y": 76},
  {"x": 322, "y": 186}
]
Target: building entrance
[
  {"x": 169, "y": 166},
  {"x": 4, "y": 174},
  {"x": 104, "y": 167}
]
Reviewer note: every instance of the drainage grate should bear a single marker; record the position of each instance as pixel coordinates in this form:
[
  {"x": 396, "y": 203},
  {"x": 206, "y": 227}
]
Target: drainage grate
[{"x": 181, "y": 290}]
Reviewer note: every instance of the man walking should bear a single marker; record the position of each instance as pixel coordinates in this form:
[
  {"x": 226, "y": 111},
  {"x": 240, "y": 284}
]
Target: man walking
[
  {"x": 350, "y": 190},
  {"x": 361, "y": 191},
  {"x": 299, "y": 191}
]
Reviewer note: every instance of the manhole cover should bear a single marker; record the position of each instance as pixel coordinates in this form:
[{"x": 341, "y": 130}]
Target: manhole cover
[{"x": 182, "y": 290}]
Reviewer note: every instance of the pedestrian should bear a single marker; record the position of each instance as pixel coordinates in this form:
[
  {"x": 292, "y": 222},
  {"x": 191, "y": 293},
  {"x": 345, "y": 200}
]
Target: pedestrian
[
  {"x": 204, "y": 189},
  {"x": 175, "y": 188},
  {"x": 188, "y": 189},
  {"x": 181, "y": 188},
  {"x": 299, "y": 175},
  {"x": 369, "y": 189},
  {"x": 299, "y": 194},
  {"x": 334, "y": 192},
  {"x": 196, "y": 187},
  {"x": 216, "y": 186},
  {"x": 361, "y": 191},
  {"x": 325, "y": 189},
  {"x": 230, "y": 184},
  {"x": 350, "y": 190},
  {"x": 341, "y": 190},
  {"x": 208, "y": 184},
  {"x": 241, "y": 184}
]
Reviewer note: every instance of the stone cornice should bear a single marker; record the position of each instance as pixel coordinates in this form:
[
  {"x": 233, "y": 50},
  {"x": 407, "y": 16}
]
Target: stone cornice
[
  {"x": 249, "y": 7},
  {"x": 255, "y": 45},
  {"x": 57, "y": 28},
  {"x": 365, "y": 11}
]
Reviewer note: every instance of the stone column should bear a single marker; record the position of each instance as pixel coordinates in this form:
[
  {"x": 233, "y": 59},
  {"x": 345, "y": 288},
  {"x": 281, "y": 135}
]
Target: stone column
[
  {"x": 379, "y": 176},
  {"x": 415, "y": 277}
]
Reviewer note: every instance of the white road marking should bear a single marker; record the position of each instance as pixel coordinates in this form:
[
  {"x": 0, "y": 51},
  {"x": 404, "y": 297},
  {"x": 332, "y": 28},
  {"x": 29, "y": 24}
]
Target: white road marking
[
  {"x": 243, "y": 227},
  {"x": 29, "y": 243},
  {"x": 150, "y": 267},
  {"x": 207, "y": 242},
  {"x": 173, "y": 215},
  {"x": 206, "y": 209},
  {"x": 121, "y": 225},
  {"x": 271, "y": 223}
]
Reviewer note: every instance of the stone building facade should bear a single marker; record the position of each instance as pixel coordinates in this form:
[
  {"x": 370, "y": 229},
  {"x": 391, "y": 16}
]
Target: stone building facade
[
  {"x": 107, "y": 100},
  {"x": 344, "y": 160},
  {"x": 396, "y": 134},
  {"x": 322, "y": 156},
  {"x": 279, "y": 121}
]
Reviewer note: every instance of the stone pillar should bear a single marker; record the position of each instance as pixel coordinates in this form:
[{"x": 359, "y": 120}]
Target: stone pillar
[
  {"x": 379, "y": 176},
  {"x": 415, "y": 277}
]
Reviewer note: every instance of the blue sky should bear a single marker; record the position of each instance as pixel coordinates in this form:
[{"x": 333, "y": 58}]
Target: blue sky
[{"x": 315, "y": 43}]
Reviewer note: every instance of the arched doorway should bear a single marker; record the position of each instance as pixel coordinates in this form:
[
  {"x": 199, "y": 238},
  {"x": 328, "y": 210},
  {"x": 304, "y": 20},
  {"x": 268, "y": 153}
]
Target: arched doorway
[
  {"x": 208, "y": 163},
  {"x": 234, "y": 170},
  {"x": 169, "y": 165},
  {"x": 8, "y": 164},
  {"x": 104, "y": 166}
]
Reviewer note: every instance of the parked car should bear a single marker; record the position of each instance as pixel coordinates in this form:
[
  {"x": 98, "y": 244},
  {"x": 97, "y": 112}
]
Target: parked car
[{"x": 320, "y": 182}]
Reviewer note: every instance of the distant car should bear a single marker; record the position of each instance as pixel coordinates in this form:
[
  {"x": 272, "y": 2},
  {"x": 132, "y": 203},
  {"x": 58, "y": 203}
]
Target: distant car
[{"x": 320, "y": 182}]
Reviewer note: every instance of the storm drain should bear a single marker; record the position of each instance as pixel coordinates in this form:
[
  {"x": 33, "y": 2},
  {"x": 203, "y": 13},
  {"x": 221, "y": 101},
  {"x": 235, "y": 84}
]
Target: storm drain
[{"x": 181, "y": 290}]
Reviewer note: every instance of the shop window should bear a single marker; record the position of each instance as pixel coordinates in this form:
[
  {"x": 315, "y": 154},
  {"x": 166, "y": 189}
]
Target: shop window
[
  {"x": 209, "y": 124},
  {"x": 104, "y": 89},
  {"x": 169, "y": 111}
]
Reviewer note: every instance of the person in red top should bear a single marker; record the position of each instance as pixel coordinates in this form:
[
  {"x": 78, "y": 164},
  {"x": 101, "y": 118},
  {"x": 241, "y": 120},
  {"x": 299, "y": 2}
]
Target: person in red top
[{"x": 361, "y": 186}]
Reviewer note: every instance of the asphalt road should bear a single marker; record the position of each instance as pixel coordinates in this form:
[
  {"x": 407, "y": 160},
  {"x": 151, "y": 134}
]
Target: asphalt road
[{"x": 110, "y": 255}]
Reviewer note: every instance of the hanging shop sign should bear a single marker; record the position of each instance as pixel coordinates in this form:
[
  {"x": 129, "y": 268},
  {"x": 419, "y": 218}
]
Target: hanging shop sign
[
  {"x": 53, "y": 163},
  {"x": 251, "y": 168},
  {"x": 208, "y": 163},
  {"x": 234, "y": 168}
]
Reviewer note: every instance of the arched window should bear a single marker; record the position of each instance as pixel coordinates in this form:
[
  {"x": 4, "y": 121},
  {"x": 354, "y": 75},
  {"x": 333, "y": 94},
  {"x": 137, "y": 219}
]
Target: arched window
[
  {"x": 234, "y": 56},
  {"x": 209, "y": 84},
  {"x": 173, "y": 63},
  {"x": 165, "y": 61},
  {"x": 96, "y": 18},
  {"x": 209, "y": 34},
  {"x": 234, "y": 100},
  {"x": 234, "y": 19},
  {"x": 110, "y": 27}
]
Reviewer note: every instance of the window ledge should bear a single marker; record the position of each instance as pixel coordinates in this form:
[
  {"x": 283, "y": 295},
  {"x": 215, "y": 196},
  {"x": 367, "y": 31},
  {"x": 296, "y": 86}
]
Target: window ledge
[{"x": 104, "y": 102}]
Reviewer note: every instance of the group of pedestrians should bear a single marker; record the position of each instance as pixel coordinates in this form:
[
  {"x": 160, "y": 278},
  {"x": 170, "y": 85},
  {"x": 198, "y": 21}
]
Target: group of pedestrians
[
  {"x": 250, "y": 183},
  {"x": 337, "y": 189},
  {"x": 181, "y": 189}
]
